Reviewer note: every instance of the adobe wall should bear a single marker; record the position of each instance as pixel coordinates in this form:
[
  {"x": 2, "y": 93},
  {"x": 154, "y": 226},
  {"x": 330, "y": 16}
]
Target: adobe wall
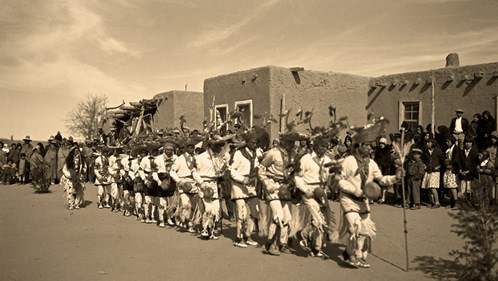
[
  {"x": 313, "y": 90},
  {"x": 250, "y": 84},
  {"x": 455, "y": 87},
  {"x": 176, "y": 103},
  {"x": 308, "y": 90}
]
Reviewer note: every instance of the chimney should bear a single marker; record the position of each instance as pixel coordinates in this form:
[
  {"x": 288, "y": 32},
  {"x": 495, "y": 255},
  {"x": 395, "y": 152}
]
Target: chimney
[{"x": 452, "y": 60}]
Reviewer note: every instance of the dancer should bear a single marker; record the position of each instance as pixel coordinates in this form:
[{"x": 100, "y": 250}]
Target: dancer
[
  {"x": 73, "y": 178},
  {"x": 243, "y": 172},
  {"x": 275, "y": 173},
  {"x": 311, "y": 181}
]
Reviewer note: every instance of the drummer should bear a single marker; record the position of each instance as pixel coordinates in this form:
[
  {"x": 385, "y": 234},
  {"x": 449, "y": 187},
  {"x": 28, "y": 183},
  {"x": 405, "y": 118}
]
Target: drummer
[
  {"x": 357, "y": 230},
  {"x": 164, "y": 161},
  {"x": 311, "y": 181}
]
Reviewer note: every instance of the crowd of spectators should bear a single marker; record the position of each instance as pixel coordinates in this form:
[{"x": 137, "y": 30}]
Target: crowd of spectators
[{"x": 441, "y": 166}]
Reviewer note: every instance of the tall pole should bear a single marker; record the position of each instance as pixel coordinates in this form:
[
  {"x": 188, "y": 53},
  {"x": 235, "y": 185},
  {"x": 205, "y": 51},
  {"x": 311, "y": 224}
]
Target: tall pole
[
  {"x": 282, "y": 110},
  {"x": 433, "y": 105},
  {"x": 402, "y": 158}
]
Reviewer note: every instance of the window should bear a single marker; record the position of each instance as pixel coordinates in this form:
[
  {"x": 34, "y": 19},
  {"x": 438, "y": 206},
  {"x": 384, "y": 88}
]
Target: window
[
  {"x": 411, "y": 113},
  {"x": 245, "y": 107},
  {"x": 222, "y": 113}
]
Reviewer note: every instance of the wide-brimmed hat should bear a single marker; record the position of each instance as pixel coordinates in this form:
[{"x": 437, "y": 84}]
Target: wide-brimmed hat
[
  {"x": 292, "y": 136},
  {"x": 189, "y": 141},
  {"x": 27, "y": 138},
  {"x": 138, "y": 150},
  {"x": 52, "y": 139},
  {"x": 321, "y": 140},
  {"x": 370, "y": 132},
  {"x": 216, "y": 140},
  {"x": 153, "y": 146},
  {"x": 383, "y": 140},
  {"x": 169, "y": 142}
]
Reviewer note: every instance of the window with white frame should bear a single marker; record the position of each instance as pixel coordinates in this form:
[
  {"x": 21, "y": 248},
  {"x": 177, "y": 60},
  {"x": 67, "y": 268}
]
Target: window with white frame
[
  {"x": 221, "y": 111},
  {"x": 245, "y": 107},
  {"x": 410, "y": 112}
]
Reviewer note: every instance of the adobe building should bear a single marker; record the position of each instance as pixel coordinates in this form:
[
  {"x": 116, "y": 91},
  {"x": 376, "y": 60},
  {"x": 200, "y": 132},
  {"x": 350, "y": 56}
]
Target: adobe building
[
  {"x": 411, "y": 97},
  {"x": 272, "y": 90},
  {"x": 173, "y": 104},
  {"x": 163, "y": 111}
]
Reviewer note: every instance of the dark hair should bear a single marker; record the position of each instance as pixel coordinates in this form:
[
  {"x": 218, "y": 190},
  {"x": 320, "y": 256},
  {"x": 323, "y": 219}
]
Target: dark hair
[
  {"x": 70, "y": 158},
  {"x": 432, "y": 141},
  {"x": 487, "y": 114},
  {"x": 42, "y": 148}
]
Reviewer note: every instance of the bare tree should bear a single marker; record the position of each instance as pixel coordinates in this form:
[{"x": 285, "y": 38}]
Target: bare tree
[{"x": 87, "y": 117}]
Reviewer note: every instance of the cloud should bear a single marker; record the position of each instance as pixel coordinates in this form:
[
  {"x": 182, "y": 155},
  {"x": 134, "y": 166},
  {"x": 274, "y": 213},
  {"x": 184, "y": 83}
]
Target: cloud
[
  {"x": 50, "y": 51},
  {"x": 189, "y": 4},
  {"x": 440, "y": 1},
  {"x": 111, "y": 45},
  {"x": 65, "y": 76},
  {"x": 216, "y": 35},
  {"x": 50, "y": 28}
]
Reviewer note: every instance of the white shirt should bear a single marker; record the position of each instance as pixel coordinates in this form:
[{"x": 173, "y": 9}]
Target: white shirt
[
  {"x": 160, "y": 161},
  {"x": 145, "y": 166},
  {"x": 351, "y": 180},
  {"x": 182, "y": 168},
  {"x": 458, "y": 125},
  {"x": 210, "y": 166},
  {"x": 102, "y": 170},
  {"x": 135, "y": 168},
  {"x": 311, "y": 172},
  {"x": 241, "y": 166}
]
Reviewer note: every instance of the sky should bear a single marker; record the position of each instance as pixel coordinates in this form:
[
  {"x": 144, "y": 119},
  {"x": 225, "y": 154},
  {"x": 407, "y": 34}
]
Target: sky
[{"x": 54, "y": 53}]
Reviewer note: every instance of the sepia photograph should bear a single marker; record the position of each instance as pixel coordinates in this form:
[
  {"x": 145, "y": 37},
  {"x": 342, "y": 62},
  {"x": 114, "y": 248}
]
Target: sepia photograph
[{"x": 248, "y": 140}]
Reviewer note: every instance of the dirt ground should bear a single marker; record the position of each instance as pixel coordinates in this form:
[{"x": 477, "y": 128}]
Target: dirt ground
[{"x": 41, "y": 240}]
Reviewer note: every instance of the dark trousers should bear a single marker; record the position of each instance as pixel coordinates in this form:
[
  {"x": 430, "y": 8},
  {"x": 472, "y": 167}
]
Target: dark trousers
[{"x": 413, "y": 191}]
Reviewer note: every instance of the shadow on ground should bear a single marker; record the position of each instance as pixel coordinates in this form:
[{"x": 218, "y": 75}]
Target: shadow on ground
[{"x": 437, "y": 268}]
